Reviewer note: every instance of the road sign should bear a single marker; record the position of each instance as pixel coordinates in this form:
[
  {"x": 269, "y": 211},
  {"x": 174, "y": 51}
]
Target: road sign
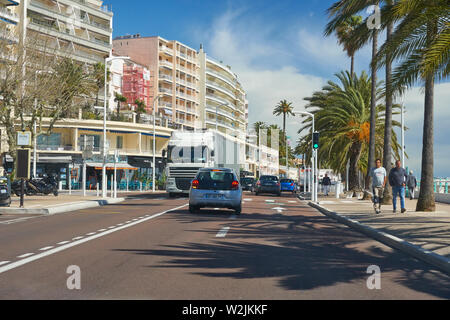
[
  {"x": 24, "y": 138},
  {"x": 23, "y": 163}
]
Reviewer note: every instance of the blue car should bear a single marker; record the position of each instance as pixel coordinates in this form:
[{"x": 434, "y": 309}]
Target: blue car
[{"x": 288, "y": 185}]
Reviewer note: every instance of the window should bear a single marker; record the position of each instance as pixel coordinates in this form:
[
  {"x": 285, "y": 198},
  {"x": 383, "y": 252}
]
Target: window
[
  {"x": 96, "y": 140},
  {"x": 119, "y": 142},
  {"x": 49, "y": 142}
]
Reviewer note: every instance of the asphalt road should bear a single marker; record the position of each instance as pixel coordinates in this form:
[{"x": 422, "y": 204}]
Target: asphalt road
[{"x": 153, "y": 248}]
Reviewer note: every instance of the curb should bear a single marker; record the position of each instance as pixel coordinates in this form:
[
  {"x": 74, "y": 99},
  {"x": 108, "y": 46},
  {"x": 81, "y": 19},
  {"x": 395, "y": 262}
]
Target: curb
[
  {"x": 427, "y": 256},
  {"x": 63, "y": 207}
]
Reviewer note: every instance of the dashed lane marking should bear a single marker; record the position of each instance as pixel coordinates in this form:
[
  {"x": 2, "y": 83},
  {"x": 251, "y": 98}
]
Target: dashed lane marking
[
  {"x": 30, "y": 257},
  {"x": 3, "y": 262},
  {"x": 63, "y": 242},
  {"x": 46, "y": 248},
  {"x": 223, "y": 232}
]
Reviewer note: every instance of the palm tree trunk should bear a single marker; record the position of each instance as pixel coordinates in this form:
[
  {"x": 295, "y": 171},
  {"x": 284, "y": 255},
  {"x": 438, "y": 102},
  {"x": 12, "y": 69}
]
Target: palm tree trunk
[
  {"x": 371, "y": 158},
  {"x": 426, "y": 200},
  {"x": 284, "y": 131},
  {"x": 353, "y": 177},
  {"x": 352, "y": 65},
  {"x": 387, "y": 152}
]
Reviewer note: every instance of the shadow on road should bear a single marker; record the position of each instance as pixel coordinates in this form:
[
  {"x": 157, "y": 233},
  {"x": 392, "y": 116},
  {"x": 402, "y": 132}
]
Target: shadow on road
[{"x": 305, "y": 252}]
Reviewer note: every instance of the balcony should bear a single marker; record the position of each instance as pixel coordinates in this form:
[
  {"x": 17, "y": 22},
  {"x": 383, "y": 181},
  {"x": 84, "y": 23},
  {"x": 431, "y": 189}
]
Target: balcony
[
  {"x": 9, "y": 16},
  {"x": 166, "y": 49},
  {"x": 166, "y": 91},
  {"x": 218, "y": 87},
  {"x": 230, "y": 81},
  {"x": 54, "y": 30},
  {"x": 165, "y": 77},
  {"x": 8, "y": 36},
  {"x": 165, "y": 63},
  {"x": 69, "y": 18}
]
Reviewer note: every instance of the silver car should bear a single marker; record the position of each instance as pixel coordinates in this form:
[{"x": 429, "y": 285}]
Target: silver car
[{"x": 215, "y": 188}]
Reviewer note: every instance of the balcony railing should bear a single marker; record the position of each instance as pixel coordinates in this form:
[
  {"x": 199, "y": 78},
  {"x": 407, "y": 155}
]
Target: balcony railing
[
  {"x": 165, "y": 76},
  {"x": 9, "y": 15},
  {"x": 166, "y": 63},
  {"x": 165, "y": 90}
]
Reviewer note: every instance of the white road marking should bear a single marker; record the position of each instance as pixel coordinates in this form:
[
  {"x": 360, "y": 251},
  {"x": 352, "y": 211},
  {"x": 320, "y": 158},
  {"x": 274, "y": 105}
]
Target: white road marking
[
  {"x": 270, "y": 200},
  {"x": 223, "y": 232},
  {"x": 3, "y": 262},
  {"x": 63, "y": 242},
  {"x": 77, "y": 238},
  {"x": 248, "y": 199},
  {"x": 25, "y": 255},
  {"x": 76, "y": 243},
  {"x": 90, "y": 234},
  {"x": 120, "y": 224},
  {"x": 292, "y": 201},
  {"x": 216, "y": 209},
  {"x": 46, "y": 248},
  {"x": 327, "y": 202},
  {"x": 101, "y": 230},
  {"x": 279, "y": 209}
]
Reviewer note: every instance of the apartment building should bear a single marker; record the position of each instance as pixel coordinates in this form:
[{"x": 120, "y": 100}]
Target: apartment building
[
  {"x": 174, "y": 74},
  {"x": 223, "y": 100},
  {"x": 9, "y": 19},
  {"x": 80, "y": 29}
]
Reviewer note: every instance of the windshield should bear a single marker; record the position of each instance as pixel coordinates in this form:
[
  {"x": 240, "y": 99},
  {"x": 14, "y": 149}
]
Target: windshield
[
  {"x": 247, "y": 180},
  {"x": 287, "y": 181},
  {"x": 215, "y": 180},
  {"x": 187, "y": 154},
  {"x": 269, "y": 178}
]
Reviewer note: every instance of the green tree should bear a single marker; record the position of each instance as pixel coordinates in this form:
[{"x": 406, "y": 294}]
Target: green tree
[
  {"x": 421, "y": 44},
  {"x": 98, "y": 73},
  {"x": 141, "y": 108},
  {"x": 344, "y": 34},
  {"x": 342, "y": 115},
  {"x": 119, "y": 98}
]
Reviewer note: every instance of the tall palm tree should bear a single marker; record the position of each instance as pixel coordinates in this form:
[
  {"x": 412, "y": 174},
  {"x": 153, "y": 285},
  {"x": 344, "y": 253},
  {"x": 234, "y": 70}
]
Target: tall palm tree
[
  {"x": 257, "y": 126},
  {"x": 421, "y": 41},
  {"x": 342, "y": 10},
  {"x": 342, "y": 115},
  {"x": 344, "y": 34},
  {"x": 284, "y": 108},
  {"x": 119, "y": 98}
]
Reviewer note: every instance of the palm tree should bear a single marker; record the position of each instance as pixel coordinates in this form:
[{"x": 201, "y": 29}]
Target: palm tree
[
  {"x": 421, "y": 42},
  {"x": 98, "y": 73},
  {"x": 140, "y": 109},
  {"x": 284, "y": 108},
  {"x": 257, "y": 126},
  {"x": 344, "y": 35},
  {"x": 342, "y": 113},
  {"x": 342, "y": 10},
  {"x": 119, "y": 98}
]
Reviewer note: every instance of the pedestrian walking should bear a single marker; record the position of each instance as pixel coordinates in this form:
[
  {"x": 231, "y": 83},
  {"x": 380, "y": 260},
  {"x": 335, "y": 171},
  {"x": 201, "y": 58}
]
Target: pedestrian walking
[
  {"x": 326, "y": 182},
  {"x": 411, "y": 182},
  {"x": 397, "y": 179},
  {"x": 379, "y": 179}
]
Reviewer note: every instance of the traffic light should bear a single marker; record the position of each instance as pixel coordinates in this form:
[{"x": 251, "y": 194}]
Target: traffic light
[{"x": 316, "y": 136}]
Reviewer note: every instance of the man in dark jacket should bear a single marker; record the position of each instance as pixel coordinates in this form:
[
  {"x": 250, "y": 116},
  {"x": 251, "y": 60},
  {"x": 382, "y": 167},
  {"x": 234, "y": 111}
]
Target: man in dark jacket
[
  {"x": 411, "y": 182},
  {"x": 326, "y": 182},
  {"x": 397, "y": 180}
]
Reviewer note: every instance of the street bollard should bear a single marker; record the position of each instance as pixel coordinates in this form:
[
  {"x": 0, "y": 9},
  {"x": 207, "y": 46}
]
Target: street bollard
[
  {"x": 338, "y": 189},
  {"x": 112, "y": 186},
  {"x": 446, "y": 188},
  {"x": 98, "y": 189},
  {"x": 140, "y": 186}
]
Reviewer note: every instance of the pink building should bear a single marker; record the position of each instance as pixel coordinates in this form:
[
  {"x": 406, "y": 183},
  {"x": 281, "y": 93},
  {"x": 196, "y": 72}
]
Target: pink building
[{"x": 136, "y": 84}]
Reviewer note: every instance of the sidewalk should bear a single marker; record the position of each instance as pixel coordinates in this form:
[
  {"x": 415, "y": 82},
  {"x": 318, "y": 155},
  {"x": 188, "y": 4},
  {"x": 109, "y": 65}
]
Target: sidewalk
[{"x": 428, "y": 230}]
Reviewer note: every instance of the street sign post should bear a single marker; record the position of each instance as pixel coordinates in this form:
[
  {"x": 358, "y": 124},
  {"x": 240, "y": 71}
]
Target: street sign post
[{"x": 23, "y": 169}]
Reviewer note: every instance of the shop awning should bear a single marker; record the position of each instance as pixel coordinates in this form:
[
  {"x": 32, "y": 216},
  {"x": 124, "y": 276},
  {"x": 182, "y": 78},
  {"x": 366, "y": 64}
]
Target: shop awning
[
  {"x": 110, "y": 166},
  {"x": 46, "y": 159}
]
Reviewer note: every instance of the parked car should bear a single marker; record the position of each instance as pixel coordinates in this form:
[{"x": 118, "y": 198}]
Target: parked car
[
  {"x": 288, "y": 185},
  {"x": 268, "y": 184},
  {"x": 215, "y": 188},
  {"x": 247, "y": 183}
]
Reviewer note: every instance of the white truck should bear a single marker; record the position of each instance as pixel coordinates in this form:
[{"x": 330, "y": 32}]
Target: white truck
[{"x": 190, "y": 151}]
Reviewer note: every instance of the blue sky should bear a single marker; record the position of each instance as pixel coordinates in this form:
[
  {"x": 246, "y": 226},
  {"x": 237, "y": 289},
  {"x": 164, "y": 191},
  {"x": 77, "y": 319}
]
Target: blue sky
[{"x": 278, "y": 51}]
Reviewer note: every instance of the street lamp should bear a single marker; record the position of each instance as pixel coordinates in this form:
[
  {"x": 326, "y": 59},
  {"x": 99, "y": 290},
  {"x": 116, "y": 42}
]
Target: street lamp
[
  {"x": 403, "y": 126},
  {"x": 154, "y": 141},
  {"x": 314, "y": 154},
  {"x": 104, "y": 181}
]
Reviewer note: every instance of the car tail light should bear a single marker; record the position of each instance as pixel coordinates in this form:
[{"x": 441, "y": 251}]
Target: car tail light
[
  {"x": 235, "y": 185},
  {"x": 258, "y": 183},
  {"x": 278, "y": 184},
  {"x": 292, "y": 184},
  {"x": 195, "y": 184}
]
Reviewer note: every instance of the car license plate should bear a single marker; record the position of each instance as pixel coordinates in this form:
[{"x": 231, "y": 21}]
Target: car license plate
[
  {"x": 214, "y": 196},
  {"x": 3, "y": 191}
]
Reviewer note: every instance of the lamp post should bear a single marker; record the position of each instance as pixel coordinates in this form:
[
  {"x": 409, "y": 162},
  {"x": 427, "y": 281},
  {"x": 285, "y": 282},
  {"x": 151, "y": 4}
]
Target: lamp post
[
  {"x": 154, "y": 141},
  {"x": 104, "y": 181},
  {"x": 403, "y": 128},
  {"x": 314, "y": 155}
]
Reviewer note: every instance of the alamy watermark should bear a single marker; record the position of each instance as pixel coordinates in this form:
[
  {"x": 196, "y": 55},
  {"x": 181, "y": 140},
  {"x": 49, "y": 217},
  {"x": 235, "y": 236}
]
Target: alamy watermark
[
  {"x": 374, "y": 20},
  {"x": 74, "y": 280},
  {"x": 374, "y": 281}
]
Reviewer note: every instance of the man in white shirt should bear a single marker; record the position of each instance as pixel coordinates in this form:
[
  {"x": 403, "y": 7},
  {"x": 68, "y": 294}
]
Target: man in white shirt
[{"x": 379, "y": 179}]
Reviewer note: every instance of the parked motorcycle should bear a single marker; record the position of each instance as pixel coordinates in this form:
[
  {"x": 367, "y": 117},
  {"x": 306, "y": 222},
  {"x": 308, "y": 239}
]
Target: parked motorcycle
[{"x": 46, "y": 185}]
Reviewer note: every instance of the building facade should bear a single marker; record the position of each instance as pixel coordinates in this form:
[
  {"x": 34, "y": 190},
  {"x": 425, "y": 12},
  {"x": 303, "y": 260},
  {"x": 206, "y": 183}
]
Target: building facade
[{"x": 174, "y": 75}]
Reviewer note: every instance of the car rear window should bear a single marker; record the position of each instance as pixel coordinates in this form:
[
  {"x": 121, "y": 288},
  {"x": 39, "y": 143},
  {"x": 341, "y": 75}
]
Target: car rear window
[
  {"x": 215, "y": 180},
  {"x": 247, "y": 180},
  {"x": 287, "y": 181},
  {"x": 269, "y": 178}
]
